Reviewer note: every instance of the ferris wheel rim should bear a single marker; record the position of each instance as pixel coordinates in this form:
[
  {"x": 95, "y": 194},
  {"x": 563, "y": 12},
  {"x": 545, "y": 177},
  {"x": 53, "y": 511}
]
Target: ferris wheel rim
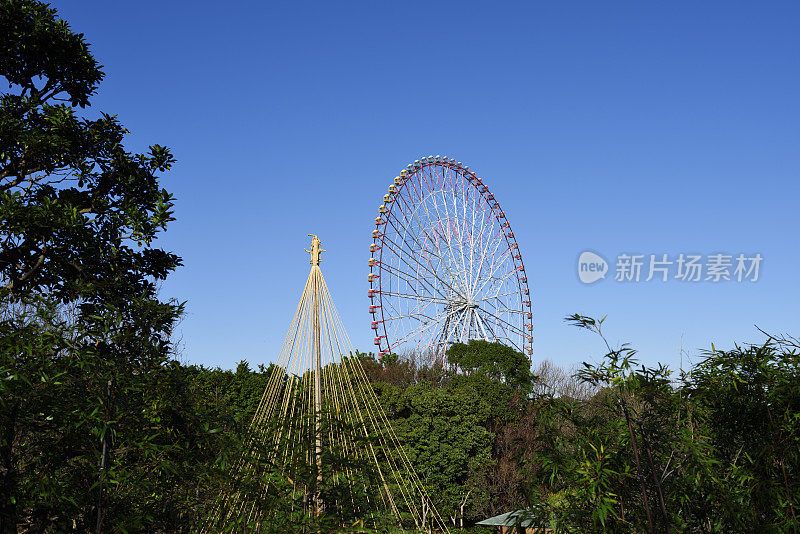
[{"x": 380, "y": 243}]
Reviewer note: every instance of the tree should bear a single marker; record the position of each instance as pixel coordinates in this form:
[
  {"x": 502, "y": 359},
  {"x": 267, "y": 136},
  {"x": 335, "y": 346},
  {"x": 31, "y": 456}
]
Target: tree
[
  {"x": 84, "y": 334},
  {"x": 716, "y": 451},
  {"x": 745, "y": 400},
  {"x": 495, "y": 360},
  {"x": 443, "y": 433}
]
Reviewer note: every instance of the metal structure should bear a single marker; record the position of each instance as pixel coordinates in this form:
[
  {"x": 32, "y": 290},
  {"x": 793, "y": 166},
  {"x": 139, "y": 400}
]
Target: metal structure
[
  {"x": 320, "y": 441},
  {"x": 445, "y": 266}
]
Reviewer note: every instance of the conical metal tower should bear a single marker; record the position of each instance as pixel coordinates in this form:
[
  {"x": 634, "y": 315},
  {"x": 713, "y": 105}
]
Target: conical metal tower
[{"x": 320, "y": 445}]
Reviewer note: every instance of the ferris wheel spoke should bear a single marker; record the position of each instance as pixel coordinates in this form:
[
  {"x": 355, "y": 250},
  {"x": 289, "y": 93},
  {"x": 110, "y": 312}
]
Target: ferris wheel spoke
[
  {"x": 422, "y": 196},
  {"x": 471, "y": 230},
  {"x": 397, "y": 253},
  {"x": 398, "y": 309},
  {"x": 449, "y": 328},
  {"x": 428, "y": 238},
  {"x": 500, "y": 305},
  {"x": 454, "y": 226},
  {"x": 449, "y": 232},
  {"x": 491, "y": 273},
  {"x": 428, "y": 186},
  {"x": 411, "y": 280},
  {"x": 438, "y": 235},
  {"x": 511, "y": 310},
  {"x": 409, "y": 248},
  {"x": 411, "y": 277},
  {"x": 442, "y": 236},
  {"x": 502, "y": 321},
  {"x": 466, "y": 325},
  {"x": 511, "y": 292},
  {"x": 404, "y": 244},
  {"x": 500, "y": 283},
  {"x": 446, "y": 239},
  {"x": 481, "y": 234},
  {"x": 456, "y": 320},
  {"x": 484, "y": 249},
  {"x": 473, "y": 238},
  {"x": 416, "y": 297},
  {"x": 498, "y": 296},
  {"x": 433, "y": 321},
  {"x": 419, "y": 309},
  {"x": 408, "y": 322},
  {"x": 417, "y": 190},
  {"x": 409, "y": 315},
  {"x": 501, "y": 312},
  {"x": 493, "y": 237},
  {"x": 398, "y": 306},
  {"x": 502, "y": 333},
  {"x": 460, "y": 230},
  {"x": 410, "y": 310}
]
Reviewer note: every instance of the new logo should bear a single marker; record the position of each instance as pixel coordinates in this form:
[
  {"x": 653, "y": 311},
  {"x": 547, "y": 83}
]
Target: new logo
[{"x": 591, "y": 267}]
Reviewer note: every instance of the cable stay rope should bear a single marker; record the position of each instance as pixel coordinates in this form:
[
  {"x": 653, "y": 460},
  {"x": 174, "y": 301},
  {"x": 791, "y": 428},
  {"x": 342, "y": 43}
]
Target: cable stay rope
[{"x": 320, "y": 444}]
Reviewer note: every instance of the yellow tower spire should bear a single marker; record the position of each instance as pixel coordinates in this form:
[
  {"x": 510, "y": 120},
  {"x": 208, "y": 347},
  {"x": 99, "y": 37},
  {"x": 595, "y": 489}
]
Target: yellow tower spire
[{"x": 316, "y": 251}]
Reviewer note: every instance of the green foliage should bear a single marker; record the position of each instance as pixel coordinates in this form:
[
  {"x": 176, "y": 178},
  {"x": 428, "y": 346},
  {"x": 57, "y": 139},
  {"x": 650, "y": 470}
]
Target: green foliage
[
  {"x": 715, "y": 452},
  {"x": 76, "y": 207},
  {"x": 448, "y": 420},
  {"x": 494, "y": 360},
  {"x": 445, "y": 440},
  {"x": 35, "y": 44},
  {"x": 89, "y": 438},
  {"x": 746, "y": 401}
]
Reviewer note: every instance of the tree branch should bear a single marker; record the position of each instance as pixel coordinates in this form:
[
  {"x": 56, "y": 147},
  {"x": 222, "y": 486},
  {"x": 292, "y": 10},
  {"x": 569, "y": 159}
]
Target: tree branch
[{"x": 16, "y": 283}]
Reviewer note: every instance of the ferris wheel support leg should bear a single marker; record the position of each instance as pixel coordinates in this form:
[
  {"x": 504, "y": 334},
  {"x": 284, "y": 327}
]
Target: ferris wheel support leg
[{"x": 483, "y": 328}]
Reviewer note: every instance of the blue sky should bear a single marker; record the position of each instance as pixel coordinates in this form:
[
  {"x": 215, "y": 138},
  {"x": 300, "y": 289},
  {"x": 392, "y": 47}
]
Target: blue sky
[{"x": 614, "y": 127}]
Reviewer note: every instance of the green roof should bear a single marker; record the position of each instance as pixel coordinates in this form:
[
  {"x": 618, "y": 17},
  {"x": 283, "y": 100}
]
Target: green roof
[{"x": 518, "y": 518}]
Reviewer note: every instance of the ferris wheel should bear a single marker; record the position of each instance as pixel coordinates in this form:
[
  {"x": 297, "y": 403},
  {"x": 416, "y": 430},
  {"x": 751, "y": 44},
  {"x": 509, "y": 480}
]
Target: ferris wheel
[{"x": 445, "y": 266}]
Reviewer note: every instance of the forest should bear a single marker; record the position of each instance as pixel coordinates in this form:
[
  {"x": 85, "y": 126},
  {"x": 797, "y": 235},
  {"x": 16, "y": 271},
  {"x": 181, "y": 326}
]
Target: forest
[{"x": 105, "y": 427}]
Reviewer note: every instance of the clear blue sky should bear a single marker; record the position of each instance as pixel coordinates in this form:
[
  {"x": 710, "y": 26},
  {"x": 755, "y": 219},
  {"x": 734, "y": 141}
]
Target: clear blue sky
[{"x": 613, "y": 127}]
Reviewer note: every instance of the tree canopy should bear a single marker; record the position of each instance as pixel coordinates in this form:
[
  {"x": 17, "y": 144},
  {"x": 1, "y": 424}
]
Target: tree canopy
[{"x": 83, "y": 333}]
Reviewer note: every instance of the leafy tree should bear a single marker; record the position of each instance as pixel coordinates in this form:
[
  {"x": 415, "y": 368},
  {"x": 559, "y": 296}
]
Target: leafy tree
[
  {"x": 443, "y": 435},
  {"x": 494, "y": 360},
  {"x": 745, "y": 400},
  {"x": 447, "y": 421},
  {"x": 88, "y": 438},
  {"x": 713, "y": 452}
]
